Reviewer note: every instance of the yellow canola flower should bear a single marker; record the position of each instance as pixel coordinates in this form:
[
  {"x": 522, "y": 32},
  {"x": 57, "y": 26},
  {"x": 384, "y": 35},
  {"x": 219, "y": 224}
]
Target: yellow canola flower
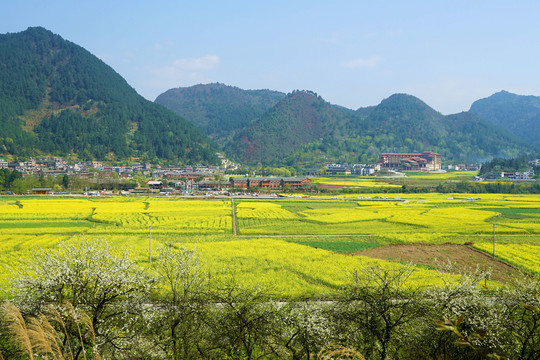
[{"x": 525, "y": 256}]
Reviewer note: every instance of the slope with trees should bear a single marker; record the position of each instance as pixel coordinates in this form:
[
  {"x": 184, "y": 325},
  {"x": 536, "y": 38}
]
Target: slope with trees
[
  {"x": 300, "y": 118},
  {"x": 217, "y": 109},
  {"x": 518, "y": 114},
  {"x": 57, "y": 98}
]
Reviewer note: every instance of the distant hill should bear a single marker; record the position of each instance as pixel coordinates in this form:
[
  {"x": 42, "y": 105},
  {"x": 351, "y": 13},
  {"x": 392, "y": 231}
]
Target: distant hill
[
  {"x": 405, "y": 117},
  {"x": 404, "y": 123},
  {"x": 56, "y": 98},
  {"x": 219, "y": 110},
  {"x": 304, "y": 130},
  {"x": 298, "y": 119},
  {"x": 518, "y": 114}
]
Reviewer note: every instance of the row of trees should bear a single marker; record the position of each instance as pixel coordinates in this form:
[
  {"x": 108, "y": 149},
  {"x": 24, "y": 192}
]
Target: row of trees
[
  {"x": 498, "y": 165},
  {"x": 86, "y": 300}
]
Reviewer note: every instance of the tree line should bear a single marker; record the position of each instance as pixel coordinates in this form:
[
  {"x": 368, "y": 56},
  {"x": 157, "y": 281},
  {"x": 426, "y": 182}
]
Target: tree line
[{"x": 86, "y": 300}]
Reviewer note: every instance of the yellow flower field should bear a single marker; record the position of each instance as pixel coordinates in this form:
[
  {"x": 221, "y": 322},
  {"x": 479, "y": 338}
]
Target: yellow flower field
[
  {"x": 260, "y": 253},
  {"x": 351, "y": 182},
  {"x": 525, "y": 256},
  {"x": 443, "y": 176}
]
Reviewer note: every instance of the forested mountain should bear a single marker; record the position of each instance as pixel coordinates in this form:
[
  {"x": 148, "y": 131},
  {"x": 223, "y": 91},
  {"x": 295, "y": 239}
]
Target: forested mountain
[
  {"x": 404, "y": 123},
  {"x": 298, "y": 119},
  {"x": 219, "y": 110},
  {"x": 518, "y": 114},
  {"x": 304, "y": 130},
  {"x": 57, "y": 98}
]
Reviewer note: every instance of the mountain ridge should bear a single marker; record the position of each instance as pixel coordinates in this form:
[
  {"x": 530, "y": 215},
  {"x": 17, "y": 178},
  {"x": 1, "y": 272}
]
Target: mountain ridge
[
  {"x": 519, "y": 114},
  {"x": 219, "y": 110},
  {"x": 313, "y": 131}
]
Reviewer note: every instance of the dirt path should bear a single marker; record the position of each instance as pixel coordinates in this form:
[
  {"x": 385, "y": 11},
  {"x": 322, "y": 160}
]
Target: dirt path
[
  {"x": 234, "y": 217},
  {"x": 464, "y": 257}
]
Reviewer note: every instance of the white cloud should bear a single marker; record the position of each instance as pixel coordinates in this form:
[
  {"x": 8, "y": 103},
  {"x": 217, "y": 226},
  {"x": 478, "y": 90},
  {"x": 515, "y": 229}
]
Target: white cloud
[
  {"x": 363, "y": 63},
  {"x": 207, "y": 62},
  {"x": 181, "y": 72}
]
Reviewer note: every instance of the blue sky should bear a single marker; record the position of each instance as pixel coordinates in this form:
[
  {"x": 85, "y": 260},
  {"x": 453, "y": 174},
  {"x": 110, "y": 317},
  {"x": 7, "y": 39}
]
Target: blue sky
[{"x": 352, "y": 53}]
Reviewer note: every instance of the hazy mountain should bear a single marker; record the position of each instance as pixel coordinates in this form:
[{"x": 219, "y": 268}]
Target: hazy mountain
[
  {"x": 518, "y": 114},
  {"x": 57, "y": 98},
  {"x": 217, "y": 109}
]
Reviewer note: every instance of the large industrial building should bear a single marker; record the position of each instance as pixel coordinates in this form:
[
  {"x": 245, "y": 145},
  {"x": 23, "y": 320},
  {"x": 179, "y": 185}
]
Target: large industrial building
[{"x": 426, "y": 161}]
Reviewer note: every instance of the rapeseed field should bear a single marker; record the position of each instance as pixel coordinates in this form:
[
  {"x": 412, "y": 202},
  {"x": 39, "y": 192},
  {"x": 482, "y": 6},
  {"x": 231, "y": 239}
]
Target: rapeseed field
[{"x": 280, "y": 242}]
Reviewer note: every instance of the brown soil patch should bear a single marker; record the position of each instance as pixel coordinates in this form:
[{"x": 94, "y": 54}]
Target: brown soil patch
[{"x": 464, "y": 257}]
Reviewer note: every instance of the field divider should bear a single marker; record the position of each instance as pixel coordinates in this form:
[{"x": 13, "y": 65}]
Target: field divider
[
  {"x": 304, "y": 235},
  {"x": 234, "y": 217}
]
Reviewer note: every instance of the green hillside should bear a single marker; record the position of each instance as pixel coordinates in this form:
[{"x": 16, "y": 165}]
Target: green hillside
[
  {"x": 56, "y": 98},
  {"x": 299, "y": 119},
  {"x": 303, "y": 130},
  {"x": 518, "y": 114},
  {"x": 217, "y": 109}
]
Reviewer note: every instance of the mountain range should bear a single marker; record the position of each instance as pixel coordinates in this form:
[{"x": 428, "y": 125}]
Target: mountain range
[
  {"x": 58, "y": 99},
  {"x": 302, "y": 129}
]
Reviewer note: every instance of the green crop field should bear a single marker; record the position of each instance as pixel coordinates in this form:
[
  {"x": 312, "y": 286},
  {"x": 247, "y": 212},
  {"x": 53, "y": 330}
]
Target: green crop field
[{"x": 296, "y": 247}]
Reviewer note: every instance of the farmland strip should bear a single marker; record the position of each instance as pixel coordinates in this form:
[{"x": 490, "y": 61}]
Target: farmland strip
[{"x": 233, "y": 217}]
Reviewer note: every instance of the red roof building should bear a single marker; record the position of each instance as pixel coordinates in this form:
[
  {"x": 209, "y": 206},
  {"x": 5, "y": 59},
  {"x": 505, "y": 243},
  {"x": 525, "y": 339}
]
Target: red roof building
[{"x": 426, "y": 161}]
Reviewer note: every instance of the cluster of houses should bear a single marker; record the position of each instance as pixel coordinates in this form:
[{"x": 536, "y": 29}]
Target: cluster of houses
[
  {"x": 519, "y": 175},
  {"x": 352, "y": 169},
  {"x": 212, "y": 178},
  {"x": 238, "y": 183},
  {"x": 61, "y": 166},
  {"x": 426, "y": 161},
  {"x": 169, "y": 178}
]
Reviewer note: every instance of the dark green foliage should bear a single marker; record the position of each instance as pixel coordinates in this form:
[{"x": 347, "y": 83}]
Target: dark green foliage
[
  {"x": 7, "y": 177},
  {"x": 499, "y": 165},
  {"x": 217, "y": 109},
  {"x": 340, "y": 246},
  {"x": 499, "y": 187},
  {"x": 518, "y": 114},
  {"x": 83, "y": 106}
]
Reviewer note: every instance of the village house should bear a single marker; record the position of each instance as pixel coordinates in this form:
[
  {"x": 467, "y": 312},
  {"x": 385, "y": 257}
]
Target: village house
[
  {"x": 41, "y": 191},
  {"x": 518, "y": 175},
  {"x": 426, "y": 161},
  {"x": 269, "y": 182},
  {"x": 155, "y": 184},
  {"x": 350, "y": 169}
]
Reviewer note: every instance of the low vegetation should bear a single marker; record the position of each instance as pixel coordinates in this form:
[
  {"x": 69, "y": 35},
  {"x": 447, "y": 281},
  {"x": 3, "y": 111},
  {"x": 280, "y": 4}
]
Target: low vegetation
[{"x": 88, "y": 301}]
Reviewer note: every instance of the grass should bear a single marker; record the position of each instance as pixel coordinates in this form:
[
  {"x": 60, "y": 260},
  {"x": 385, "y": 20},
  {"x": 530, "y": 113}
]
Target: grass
[{"x": 339, "y": 246}]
